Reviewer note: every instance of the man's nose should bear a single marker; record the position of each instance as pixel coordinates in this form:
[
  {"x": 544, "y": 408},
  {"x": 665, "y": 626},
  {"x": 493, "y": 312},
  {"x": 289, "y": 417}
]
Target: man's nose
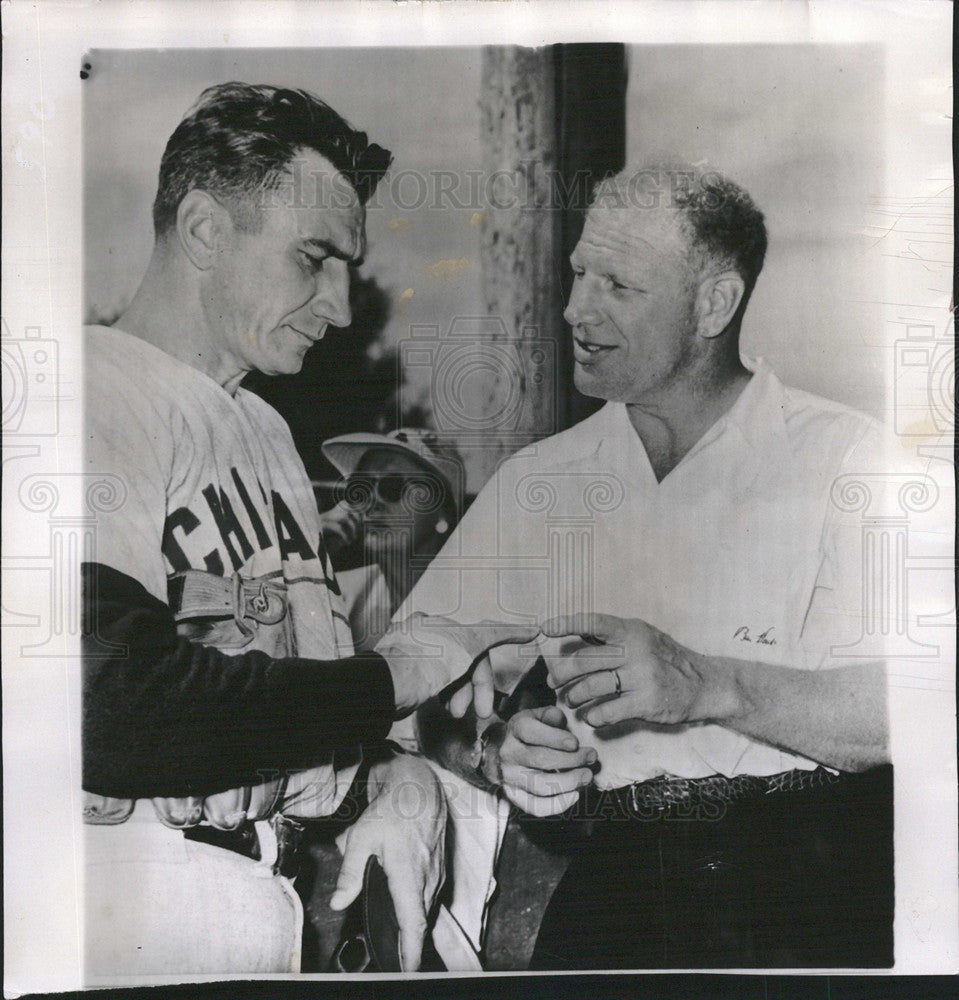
[
  {"x": 582, "y": 309},
  {"x": 331, "y": 302}
]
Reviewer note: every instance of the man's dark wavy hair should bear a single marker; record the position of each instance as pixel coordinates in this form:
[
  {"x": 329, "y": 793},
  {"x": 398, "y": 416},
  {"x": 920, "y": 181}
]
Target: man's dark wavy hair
[{"x": 238, "y": 140}]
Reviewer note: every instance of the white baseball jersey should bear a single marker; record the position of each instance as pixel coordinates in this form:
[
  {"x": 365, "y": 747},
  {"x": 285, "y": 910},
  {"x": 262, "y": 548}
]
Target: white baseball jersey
[{"x": 213, "y": 482}]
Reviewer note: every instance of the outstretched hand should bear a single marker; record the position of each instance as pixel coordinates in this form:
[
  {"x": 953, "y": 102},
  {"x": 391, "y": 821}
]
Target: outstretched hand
[
  {"x": 638, "y": 672},
  {"x": 429, "y": 653}
]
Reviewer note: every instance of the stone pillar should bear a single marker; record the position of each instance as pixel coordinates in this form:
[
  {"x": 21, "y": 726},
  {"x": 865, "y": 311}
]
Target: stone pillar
[
  {"x": 553, "y": 123},
  {"x": 520, "y": 241},
  {"x": 591, "y": 136}
]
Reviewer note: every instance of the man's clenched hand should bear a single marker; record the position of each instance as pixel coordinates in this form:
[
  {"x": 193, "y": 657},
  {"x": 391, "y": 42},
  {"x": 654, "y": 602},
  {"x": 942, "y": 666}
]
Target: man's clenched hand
[{"x": 539, "y": 764}]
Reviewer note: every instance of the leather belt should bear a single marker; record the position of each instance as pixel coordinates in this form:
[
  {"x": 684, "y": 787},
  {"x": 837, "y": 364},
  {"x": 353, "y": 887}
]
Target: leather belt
[
  {"x": 707, "y": 798},
  {"x": 244, "y": 841}
]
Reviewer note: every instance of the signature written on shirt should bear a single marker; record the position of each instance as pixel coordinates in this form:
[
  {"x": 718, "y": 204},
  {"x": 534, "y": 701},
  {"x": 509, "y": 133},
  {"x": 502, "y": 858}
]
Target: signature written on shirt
[{"x": 763, "y": 639}]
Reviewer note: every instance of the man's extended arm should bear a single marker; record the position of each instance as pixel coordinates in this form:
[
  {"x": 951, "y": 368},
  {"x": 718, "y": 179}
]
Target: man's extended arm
[
  {"x": 170, "y": 717},
  {"x": 166, "y": 717},
  {"x": 834, "y": 716}
]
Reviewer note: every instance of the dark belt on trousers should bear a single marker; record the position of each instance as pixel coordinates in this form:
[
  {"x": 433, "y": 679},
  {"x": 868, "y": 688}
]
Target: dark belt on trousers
[
  {"x": 244, "y": 841},
  {"x": 702, "y": 798}
]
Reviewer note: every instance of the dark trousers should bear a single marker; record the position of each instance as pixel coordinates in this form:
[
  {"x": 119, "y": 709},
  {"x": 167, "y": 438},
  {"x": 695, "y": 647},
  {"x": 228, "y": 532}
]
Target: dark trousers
[{"x": 798, "y": 879}]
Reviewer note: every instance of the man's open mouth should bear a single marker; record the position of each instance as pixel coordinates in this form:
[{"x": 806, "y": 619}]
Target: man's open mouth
[{"x": 584, "y": 351}]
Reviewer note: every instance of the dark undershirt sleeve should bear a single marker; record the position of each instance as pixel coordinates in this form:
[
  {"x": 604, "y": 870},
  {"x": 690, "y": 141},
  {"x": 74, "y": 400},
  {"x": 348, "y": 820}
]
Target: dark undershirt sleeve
[{"x": 167, "y": 717}]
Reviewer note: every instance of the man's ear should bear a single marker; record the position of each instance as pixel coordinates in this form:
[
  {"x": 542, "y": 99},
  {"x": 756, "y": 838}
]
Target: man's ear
[
  {"x": 200, "y": 222},
  {"x": 719, "y": 298}
]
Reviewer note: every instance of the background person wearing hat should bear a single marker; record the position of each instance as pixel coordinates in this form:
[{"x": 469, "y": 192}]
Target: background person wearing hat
[{"x": 401, "y": 497}]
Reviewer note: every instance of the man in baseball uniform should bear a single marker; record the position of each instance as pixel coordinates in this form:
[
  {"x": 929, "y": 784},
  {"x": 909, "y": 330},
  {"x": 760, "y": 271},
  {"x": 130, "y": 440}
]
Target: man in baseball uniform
[{"x": 219, "y": 677}]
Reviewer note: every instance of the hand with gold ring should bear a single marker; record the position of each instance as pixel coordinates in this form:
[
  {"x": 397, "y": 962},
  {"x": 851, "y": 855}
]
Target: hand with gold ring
[{"x": 628, "y": 670}]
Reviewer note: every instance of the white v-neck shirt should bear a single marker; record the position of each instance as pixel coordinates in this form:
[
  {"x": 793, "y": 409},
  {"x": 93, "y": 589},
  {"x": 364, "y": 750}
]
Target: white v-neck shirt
[{"x": 738, "y": 552}]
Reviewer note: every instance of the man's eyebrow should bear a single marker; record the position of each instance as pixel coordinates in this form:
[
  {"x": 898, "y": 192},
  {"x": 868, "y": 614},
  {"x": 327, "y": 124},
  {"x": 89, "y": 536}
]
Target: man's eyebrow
[{"x": 332, "y": 250}]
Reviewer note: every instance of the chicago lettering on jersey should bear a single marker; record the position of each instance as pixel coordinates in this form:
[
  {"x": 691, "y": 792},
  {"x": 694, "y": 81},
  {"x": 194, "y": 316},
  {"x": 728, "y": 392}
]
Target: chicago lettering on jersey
[{"x": 188, "y": 529}]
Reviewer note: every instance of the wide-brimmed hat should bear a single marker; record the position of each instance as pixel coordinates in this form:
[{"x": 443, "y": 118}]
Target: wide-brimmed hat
[{"x": 346, "y": 452}]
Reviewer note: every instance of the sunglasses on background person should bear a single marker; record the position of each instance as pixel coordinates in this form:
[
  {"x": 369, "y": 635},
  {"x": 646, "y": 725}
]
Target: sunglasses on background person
[{"x": 426, "y": 492}]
